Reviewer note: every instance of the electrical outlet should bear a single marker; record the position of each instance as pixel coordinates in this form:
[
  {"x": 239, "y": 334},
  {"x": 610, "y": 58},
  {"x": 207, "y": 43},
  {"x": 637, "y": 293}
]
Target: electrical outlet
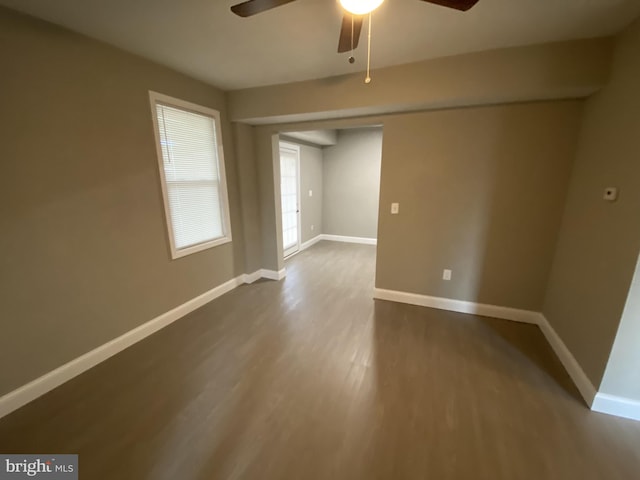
[
  {"x": 312, "y": 227},
  {"x": 395, "y": 208},
  {"x": 446, "y": 274}
]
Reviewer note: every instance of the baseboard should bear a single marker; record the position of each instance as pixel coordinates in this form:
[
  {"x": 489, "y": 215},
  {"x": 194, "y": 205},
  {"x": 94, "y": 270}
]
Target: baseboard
[
  {"x": 495, "y": 311},
  {"x": 571, "y": 365},
  {"x": 310, "y": 243},
  {"x": 251, "y": 277},
  {"x": 38, "y": 387},
  {"x": 338, "y": 238},
  {"x": 263, "y": 273},
  {"x": 601, "y": 402},
  {"x": 342, "y": 238},
  {"x": 580, "y": 379},
  {"x": 618, "y": 406},
  {"x": 272, "y": 274}
]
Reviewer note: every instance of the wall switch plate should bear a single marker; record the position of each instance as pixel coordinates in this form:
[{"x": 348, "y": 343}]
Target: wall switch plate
[
  {"x": 446, "y": 274},
  {"x": 395, "y": 208},
  {"x": 610, "y": 194},
  {"x": 311, "y": 193},
  {"x": 312, "y": 227}
]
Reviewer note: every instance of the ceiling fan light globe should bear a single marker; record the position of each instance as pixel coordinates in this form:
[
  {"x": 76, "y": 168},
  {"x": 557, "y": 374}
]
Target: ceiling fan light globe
[{"x": 360, "y": 7}]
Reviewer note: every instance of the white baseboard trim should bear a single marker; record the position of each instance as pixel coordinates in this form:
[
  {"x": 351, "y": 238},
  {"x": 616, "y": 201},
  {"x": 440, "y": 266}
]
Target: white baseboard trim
[
  {"x": 268, "y": 274},
  {"x": 272, "y": 274},
  {"x": 337, "y": 238},
  {"x": 251, "y": 277},
  {"x": 580, "y": 379},
  {"x": 310, "y": 243},
  {"x": 342, "y": 238},
  {"x": 495, "y": 311},
  {"x": 38, "y": 387},
  {"x": 571, "y": 365},
  {"x": 618, "y": 406},
  {"x": 601, "y": 402}
]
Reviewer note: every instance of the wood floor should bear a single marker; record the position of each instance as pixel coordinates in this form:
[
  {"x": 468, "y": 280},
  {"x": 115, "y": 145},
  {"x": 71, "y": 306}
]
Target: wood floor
[{"x": 309, "y": 378}]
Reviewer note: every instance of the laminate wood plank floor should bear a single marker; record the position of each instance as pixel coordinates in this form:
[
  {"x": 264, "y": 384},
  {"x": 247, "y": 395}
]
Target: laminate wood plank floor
[{"x": 309, "y": 378}]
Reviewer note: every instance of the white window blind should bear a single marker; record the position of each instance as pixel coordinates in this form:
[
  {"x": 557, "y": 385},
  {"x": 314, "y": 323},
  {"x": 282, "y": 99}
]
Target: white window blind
[{"x": 193, "y": 177}]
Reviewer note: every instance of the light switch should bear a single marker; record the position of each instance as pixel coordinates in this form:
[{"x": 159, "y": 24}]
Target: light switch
[
  {"x": 311, "y": 193},
  {"x": 446, "y": 274},
  {"x": 395, "y": 208},
  {"x": 610, "y": 194}
]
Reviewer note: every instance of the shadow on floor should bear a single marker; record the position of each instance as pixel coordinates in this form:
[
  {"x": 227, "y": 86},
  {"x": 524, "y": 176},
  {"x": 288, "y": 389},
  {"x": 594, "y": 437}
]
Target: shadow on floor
[{"x": 530, "y": 342}]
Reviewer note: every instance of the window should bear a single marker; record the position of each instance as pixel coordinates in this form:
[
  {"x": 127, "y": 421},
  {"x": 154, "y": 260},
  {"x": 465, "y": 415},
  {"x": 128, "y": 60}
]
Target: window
[{"x": 191, "y": 162}]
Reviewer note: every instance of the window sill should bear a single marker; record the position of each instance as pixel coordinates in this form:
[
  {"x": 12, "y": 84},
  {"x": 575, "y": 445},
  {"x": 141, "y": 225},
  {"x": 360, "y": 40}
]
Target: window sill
[{"x": 199, "y": 247}]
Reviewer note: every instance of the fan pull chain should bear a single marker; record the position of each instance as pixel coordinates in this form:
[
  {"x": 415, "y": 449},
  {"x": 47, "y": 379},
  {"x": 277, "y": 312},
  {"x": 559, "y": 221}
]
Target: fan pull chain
[{"x": 368, "y": 79}]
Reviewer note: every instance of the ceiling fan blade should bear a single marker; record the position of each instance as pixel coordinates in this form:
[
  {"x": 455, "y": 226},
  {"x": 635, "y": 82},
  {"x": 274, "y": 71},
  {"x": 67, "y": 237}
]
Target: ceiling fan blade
[
  {"x": 251, "y": 7},
  {"x": 344, "y": 42},
  {"x": 463, "y": 5}
]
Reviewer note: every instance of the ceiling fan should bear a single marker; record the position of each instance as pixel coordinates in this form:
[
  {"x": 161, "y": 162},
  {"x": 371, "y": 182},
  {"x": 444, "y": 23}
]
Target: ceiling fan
[{"x": 355, "y": 12}]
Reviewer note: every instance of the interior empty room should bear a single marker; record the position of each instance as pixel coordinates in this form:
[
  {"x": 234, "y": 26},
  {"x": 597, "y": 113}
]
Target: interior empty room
[
  {"x": 344, "y": 239},
  {"x": 329, "y": 187}
]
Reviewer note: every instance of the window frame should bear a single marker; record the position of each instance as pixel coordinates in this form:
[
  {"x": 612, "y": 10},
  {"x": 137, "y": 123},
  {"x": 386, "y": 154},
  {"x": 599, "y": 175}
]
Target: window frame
[{"x": 156, "y": 98}]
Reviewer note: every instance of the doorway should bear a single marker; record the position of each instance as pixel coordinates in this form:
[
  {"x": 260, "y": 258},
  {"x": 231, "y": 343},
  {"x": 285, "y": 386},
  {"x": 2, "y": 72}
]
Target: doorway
[{"x": 290, "y": 197}]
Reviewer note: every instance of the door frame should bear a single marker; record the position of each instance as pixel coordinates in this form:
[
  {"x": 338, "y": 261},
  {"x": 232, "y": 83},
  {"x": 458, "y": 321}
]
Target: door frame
[{"x": 292, "y": 147}]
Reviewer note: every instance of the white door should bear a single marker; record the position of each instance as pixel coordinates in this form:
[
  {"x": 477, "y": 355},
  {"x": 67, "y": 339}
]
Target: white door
[{"x": 289, "y": 190}]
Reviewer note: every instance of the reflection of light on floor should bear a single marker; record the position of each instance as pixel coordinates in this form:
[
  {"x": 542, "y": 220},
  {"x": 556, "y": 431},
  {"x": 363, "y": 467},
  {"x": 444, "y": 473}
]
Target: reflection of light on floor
[{"x": 324, "y": 345}]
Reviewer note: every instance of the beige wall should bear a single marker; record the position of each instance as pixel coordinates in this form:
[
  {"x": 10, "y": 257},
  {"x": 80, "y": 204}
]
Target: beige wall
[
  {"x": 311, "y": 179},
  {"x": 248, "y": 182},
  {"x": 267, "y": 155},
  {"x": 481, "y": 192},
  {"x": 345, "y": 181},
  {"x": 599, "y": 241},
  {"x": 352, "y": 183},
  {"x": 573, "y": 69},
  {"x": 85, "y": 255}
]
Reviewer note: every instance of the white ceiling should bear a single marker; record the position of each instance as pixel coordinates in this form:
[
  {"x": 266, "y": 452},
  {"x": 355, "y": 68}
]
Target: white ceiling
[{"x": 298, "y": 41}]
